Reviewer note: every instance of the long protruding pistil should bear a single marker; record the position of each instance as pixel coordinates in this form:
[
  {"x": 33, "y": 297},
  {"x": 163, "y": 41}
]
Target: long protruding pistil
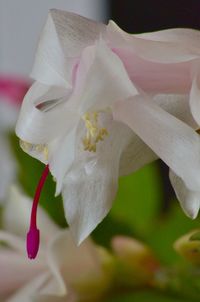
[{"x": 33, "y": 235}]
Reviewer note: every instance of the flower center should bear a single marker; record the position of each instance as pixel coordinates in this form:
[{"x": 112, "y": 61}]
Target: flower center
[
  {"x": 94, "y": 133},
  {"x": 33, "y": 235}
]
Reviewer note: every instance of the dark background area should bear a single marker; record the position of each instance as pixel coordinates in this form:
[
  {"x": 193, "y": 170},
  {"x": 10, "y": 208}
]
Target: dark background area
[{"x": 143, "y": 16}]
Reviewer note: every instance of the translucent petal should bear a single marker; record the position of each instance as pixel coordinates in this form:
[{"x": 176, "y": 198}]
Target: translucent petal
[
  {"x": 16, "y": 270},
  {"x": 38, "y": 126},
  {"x": 195, "y": 99},
  {"x": 80, "y": 262},
  {"x": 64, "y": 36},
  {"x": 189, "y": 199},
  {"x": 158, "y": 49},
  {"x": 91, "y": 184},
  {"x": 172, "y": 140},
  {"x": 101, "y": 79}
]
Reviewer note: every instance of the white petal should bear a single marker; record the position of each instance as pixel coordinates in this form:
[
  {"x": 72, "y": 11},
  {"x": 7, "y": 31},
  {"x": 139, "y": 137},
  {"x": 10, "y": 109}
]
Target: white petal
[
  {"x": 172, "y": 140},
  {"x": 90, "y": 185},
  {"x": 162, "y": 49},
  {"x": 177, "y": 105},
  {"x": 38, "y": 126},
  {"x": 137, "y": 154},
  {"x": 61, "y": 156},
  {"x": 64, "y": 36},
  {"x": 101, "y": 78},
  {"x": 189, "y": 200},
  {"x": 16, "y": 216}
]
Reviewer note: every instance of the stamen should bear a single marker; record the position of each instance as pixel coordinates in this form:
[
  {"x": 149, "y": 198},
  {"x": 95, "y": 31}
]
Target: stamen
[
  {"x": 94, "y": 133},
  {"x": 33, "y": 236}
]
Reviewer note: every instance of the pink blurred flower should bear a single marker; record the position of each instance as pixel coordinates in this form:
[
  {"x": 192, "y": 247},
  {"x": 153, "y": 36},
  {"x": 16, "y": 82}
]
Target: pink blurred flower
[
  {"x": 104, "y": 104},
  {"x": 62, "y": 272}
]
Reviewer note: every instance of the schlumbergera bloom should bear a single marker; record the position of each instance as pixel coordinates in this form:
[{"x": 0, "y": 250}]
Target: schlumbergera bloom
[
  {"x": 84, "y": 273},
  {"x": 12, "y": 91},
  {"x": 104, "y": 104}
]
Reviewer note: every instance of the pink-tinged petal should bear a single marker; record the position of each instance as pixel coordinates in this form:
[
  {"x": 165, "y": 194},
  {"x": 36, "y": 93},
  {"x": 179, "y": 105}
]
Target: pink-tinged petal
[
  {"x": 163, "y": 50},
  {"x": 64, "y": 36},
  {"x": 172, "y": 140},
  {"x": 101, "y": 79},
  {"x": 14, "y": 242},
  {"x": 16, "y": 216},
  {"x": 184, "y": 36},
  {"x": 195, "y": 99},
  {"x": 90, "y": 185},
  {"x": 42, "y": 108},
  {"x": 155, "y": 77},
  {"x": 30, "y": 291},
  {"x": 80, "y": 263},
  {"x": 16, "y": 270}
]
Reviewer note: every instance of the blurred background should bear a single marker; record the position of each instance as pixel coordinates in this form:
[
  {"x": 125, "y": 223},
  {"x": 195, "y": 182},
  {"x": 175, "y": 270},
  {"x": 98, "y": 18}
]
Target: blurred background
[{"x": 145, "y": 207}]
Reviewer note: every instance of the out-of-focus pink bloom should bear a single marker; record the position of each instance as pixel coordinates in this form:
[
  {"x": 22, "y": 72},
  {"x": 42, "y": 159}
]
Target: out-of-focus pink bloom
[
  {"x": 62, "y": 271},
  {"x": 12, "y": 91},
  {"x": 104, "y": 104}
]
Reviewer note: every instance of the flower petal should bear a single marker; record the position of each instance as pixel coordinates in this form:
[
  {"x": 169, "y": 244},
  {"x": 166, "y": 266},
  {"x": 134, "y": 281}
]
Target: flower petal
[
  {"x": 29, "y": 292},
  {"x": 90, "y": 186},
  {"x": 38, "y": 126},
  {"x": 101, "y": 78},
  {"x": 64, "y": 36},
  {"x": 16, "y": 270},
  {"x": 16, "y": 216},
  {"x": 81, "y": 262},
  {"x": 184, "y": 36},
  {"x": 158, "y": 49},
  {"x": 137, "y": 154},
  {"x": 172, "y": 140},
  {"x": 189, "y": 200},
  {"x": 61, "y": 156},
  {"x": 194, "y": 99}
]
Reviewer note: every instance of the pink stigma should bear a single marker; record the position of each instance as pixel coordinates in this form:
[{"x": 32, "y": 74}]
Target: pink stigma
[{"x": 33, "y": 235}]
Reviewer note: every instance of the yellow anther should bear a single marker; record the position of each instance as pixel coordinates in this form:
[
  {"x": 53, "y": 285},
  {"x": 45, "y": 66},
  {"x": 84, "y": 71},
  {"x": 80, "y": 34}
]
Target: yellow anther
[
  {"x": 94, "y": 133},
  {"x": 40, "y": 148}
]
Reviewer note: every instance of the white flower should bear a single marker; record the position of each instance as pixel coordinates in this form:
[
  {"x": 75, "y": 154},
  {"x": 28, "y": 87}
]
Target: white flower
[
  {"x": 61, "y": 272},
  {"x": 92, "y": 81}
]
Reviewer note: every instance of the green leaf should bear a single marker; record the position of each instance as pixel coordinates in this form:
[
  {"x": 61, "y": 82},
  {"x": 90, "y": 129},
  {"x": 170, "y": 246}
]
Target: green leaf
[
  {"x": 138, "y": 199},
  {"x": 146, "y": 295},
  {"x": 167, "y": 230}
]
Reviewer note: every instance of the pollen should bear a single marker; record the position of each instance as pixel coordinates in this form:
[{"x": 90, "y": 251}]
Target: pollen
[
  {"x": 40, "y": 148},
  {"x": 94, "y": 133}
]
